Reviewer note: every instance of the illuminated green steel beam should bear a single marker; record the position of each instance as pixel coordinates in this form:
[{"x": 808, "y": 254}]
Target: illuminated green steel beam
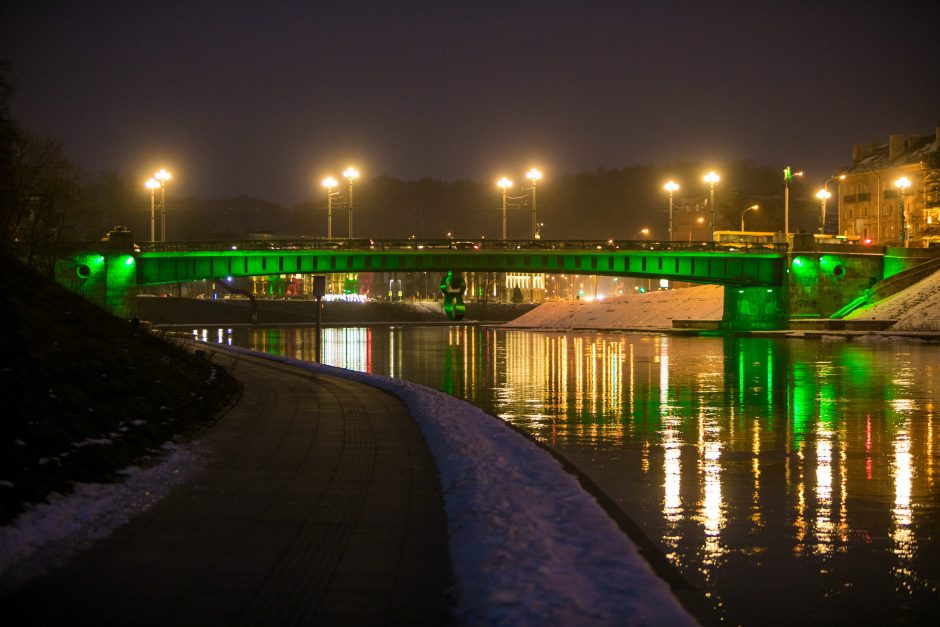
[{"x": 723, "y": 268}]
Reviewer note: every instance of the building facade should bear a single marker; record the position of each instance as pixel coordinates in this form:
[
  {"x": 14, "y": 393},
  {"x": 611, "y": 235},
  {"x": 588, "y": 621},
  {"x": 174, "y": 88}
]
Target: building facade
[{"x": 874, "y": 203}]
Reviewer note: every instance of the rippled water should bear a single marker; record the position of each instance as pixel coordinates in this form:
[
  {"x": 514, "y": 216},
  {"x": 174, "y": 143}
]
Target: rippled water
[{"x": 795, "y": 481}]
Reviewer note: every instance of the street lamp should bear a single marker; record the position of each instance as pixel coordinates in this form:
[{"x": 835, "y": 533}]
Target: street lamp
[
  {"x": 163, "y": 177},
  {"x": 152, "y": 185},
  {"x": 645, "y": 232},
  {"x": 751, "y": 208},
  {"x": 533, "y": 175},
  {"x": 823, "y": 195},
  {"x": 351, "y": 175},
  {"x": 902, "y": 184},
  {"x": 712, "y": 178},
  {"x": 504, "y": 183},
  {"x": 788, "y": 175},
  {"x": 329, "y": 183},
  {"x": 670, "y": 187}
]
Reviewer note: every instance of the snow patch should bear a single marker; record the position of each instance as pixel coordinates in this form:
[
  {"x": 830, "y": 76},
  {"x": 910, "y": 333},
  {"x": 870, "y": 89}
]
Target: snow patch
[
  {"x": 652, "y": 310},
  {"x": 46, "y": 535}
]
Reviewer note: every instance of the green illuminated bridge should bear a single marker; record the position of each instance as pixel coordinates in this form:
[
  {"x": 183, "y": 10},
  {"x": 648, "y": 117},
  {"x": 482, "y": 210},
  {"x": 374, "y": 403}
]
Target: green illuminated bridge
[{"x": 109, "y": 272}]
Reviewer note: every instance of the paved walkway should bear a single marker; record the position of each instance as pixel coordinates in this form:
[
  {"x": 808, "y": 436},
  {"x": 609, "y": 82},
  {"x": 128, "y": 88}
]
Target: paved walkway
[{"x": 321, "y": 505}]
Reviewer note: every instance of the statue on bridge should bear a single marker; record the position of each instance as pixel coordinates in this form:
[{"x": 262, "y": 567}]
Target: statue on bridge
[{"x": 453, "y": 286}]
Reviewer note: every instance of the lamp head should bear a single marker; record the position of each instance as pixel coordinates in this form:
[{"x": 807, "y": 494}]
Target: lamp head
[{"x": 533, "y": 175}]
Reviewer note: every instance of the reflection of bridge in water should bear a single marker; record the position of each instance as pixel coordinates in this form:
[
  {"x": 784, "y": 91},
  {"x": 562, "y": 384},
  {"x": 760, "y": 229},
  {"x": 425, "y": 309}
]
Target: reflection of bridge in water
[{"x": 111, "y": 274}]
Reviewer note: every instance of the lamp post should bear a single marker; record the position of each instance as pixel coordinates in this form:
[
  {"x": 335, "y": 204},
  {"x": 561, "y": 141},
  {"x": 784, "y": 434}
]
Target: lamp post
[
  {"x": 163, "y": 177},
  {"x": 504, "y": 184},
  {"x": 670, "y": 187},
  {"x": 329, "y": 183},
  {"x": 751, "y": 208},
  {"x": 823, "y": 195},
  {"x": 152, "y": 185},
  {"x": 533, "y": 175},
  {"x": 712, "y": 178},
  {"x": 902, "y": 184},
  {"x": 788, "y": 175},
  {"x": 351, "y": 175}
]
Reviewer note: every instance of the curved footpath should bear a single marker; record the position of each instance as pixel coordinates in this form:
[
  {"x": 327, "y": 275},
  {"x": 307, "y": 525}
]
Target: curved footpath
[
  {"x": 320, "y": 505},
  {"x": 323, "y": 501}
]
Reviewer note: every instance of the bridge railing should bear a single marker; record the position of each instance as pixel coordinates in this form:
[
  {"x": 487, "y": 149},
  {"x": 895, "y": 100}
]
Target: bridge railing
[{"x": 457, "y": 244}]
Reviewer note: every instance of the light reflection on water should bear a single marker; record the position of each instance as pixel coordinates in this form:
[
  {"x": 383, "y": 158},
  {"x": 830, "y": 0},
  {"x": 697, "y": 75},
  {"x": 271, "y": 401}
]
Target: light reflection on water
[{"x": 793, "y": 480}]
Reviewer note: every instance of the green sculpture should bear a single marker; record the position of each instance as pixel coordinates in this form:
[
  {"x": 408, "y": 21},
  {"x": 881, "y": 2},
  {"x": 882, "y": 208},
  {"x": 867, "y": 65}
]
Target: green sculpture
[{"x": 453, "y": 287}]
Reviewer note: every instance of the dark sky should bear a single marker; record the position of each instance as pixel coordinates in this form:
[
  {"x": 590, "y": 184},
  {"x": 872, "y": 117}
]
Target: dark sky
[{"x": 265, "y": 98}]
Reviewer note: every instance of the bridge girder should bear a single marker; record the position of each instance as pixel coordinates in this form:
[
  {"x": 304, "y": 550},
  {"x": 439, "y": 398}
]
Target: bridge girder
[{"x": 723, "y": 268}]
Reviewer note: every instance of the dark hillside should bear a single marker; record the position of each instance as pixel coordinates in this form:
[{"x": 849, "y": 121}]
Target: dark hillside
[{"x": 85, "y": 394}]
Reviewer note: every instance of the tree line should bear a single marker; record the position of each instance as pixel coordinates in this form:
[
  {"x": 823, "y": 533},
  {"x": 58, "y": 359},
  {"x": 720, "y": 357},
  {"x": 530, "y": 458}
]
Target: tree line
[{"x": 47, "y": 202}]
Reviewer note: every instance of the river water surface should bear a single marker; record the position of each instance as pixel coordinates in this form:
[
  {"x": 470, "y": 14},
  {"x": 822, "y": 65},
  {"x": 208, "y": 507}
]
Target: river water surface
[{"x": 793, "y": 481}]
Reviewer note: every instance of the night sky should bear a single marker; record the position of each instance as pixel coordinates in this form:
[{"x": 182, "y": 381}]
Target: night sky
[{"x": 267, "y": 98}]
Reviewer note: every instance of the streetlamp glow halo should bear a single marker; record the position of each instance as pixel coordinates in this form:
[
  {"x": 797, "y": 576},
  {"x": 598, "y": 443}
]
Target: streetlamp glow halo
[
  {"x": 533, "y": 175},
  {"x": 351, "y": 173},
  {"x": 823, "y": 194},
  {"x": 671, "y": 186},
  {"x": 152, "y": 184},
  {"x": 903, "y": 182},
  {"x": 329, "y": 182},
  {"x": 163, "y": 175},
  {"x": 712, "y": 177},
  {"x": 504, "y": 182}
]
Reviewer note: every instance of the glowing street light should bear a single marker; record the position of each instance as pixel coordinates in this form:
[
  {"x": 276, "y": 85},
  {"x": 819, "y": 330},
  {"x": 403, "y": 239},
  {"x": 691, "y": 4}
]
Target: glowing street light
[
  {"x": 504, "y": 183},
  {"x": 712, "y": 178},
  {"x": 351, "y": 175},
  {"x": 163, "y": 177},
  {"x": 152, "y": 185},
  {"x": 788, "y": 175},
  {"x": 751, "y": 208},
  {"x": 670, "y": 187},
  {"x": 533, "y": 175},
  {"x": 329, "y": 183},
  {"x": 823, "y": 195},
  {"x": 645, "y": 232},
  {"x": 903, "y": 184}
]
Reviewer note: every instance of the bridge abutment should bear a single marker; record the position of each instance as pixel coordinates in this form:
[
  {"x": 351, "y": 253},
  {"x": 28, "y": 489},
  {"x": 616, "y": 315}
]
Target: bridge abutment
[{"x": 107, "y": 277}]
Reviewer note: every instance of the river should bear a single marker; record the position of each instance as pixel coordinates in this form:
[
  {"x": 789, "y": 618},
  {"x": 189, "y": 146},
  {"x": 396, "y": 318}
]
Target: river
[{"x": 793, "y": 481}]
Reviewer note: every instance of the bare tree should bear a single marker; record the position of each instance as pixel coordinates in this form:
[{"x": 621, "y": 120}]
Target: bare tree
[{"x": 49, "y": 202}]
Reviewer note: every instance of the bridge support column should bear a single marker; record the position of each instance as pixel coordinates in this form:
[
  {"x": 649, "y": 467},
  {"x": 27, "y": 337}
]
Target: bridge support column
[{"x": 755, "y": 308}]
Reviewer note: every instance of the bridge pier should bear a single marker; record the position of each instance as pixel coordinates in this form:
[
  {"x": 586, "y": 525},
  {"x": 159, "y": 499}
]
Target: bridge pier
[{"x": 755, "y": 308}]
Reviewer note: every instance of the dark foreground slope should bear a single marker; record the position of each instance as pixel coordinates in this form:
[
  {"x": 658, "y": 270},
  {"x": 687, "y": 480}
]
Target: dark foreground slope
[{"x": 85, "y": 394}]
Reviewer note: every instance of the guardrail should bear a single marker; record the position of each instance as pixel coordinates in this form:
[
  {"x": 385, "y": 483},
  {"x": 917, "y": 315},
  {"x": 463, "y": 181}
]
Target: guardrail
[{"x": 455, "y": 244}]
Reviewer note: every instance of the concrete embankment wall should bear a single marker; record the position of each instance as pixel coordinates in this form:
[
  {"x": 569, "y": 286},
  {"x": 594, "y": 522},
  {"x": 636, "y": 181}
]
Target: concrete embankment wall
[{"x": 192, "y": 311}]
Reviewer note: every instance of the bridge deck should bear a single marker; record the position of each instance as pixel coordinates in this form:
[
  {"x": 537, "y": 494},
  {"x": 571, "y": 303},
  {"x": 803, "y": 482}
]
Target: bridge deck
[{"x": 702, "y": 262}]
